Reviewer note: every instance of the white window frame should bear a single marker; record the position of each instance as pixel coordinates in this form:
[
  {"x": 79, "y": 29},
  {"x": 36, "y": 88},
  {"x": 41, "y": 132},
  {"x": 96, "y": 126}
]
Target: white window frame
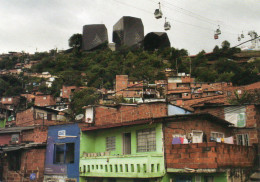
[
  {"x": 245, "y": 140},
  {"x": 146, "y": 140},
  {"x": 198, "y": 131}
]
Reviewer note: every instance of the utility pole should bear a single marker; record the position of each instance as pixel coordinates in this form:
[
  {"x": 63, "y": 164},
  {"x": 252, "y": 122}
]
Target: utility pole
[{"x": 190, "y": 66}]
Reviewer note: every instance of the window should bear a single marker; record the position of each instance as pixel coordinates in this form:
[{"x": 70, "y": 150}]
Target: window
[
  {"x": 229, "y": 93},
  {"x": 15, "y": 138},
  {"x": 242, "y": 139},
  {"x": 40, "y": 115},
  {"x": 14, "y": 160},
  {"x": 146, "y": 140},
  {"x": 197, "y": 136},
  {"x": 9, "y": 99},
  {"x": 236, "y": 115},
  {"x": 44, "y": 98},
  {"x": 216, "y": 135},
  {"x": 111, "y": 143},
  {"x": 186, "y": 94},
  {"x": 64, "y": 153}
]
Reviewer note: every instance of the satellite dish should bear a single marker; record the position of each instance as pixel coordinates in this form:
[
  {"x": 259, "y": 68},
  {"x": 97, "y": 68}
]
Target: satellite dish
[{"x": 79, "y": 117}]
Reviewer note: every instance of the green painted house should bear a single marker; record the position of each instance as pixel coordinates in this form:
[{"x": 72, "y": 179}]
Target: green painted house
[
  {"x": 127, "y": 154},
  {"x": 143, "y": 150}
]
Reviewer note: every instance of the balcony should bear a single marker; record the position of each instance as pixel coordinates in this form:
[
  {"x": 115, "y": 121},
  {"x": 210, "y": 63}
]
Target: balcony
[
  {"x": 210, "y": 155},
  {"x": 130, "y": 166}
]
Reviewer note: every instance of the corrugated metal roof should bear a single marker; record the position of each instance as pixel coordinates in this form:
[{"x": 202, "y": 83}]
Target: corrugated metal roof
[
  {"x": 15, "y": 129},
  {"x": 207, "y": 116},
  {"x": 19, "y": 147}
]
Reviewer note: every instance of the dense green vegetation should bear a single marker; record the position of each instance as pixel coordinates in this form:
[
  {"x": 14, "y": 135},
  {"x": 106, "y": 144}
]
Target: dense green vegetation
[{"x": 99, "y": 68}]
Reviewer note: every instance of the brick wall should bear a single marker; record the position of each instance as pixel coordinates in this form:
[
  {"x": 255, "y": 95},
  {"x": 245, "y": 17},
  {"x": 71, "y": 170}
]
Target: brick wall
[
  {"x": 204, "y": 155},
  {"x": 121, "y": 83},
  {"x": 25, "y": 117},
  {"x": 252, "y": 120},
  {"x": 210, "y": 155},
  {"x": 37, "y": 135},
  {"x": 216, "y": 111},
  {"x": 251, "y": 113},
  {"x": 32, "y": 161},
  {"x": 125, "y": 113},
  {"x": 28, "y": 118},
  {"x": 44, "y": 100},
  {"x": 10, "y": 100},
  {"x": 67, "y": 91},
  {"x": 128, "y": 88},
  {"x": 184, "y": 127}
]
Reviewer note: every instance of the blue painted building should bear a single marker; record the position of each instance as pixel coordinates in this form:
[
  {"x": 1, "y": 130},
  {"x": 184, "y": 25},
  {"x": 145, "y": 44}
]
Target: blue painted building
[{"x": 62, "y": 153}]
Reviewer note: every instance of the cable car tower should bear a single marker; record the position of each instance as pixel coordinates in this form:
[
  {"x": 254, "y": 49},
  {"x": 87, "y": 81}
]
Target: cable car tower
[{"x": 255, "y": 42}]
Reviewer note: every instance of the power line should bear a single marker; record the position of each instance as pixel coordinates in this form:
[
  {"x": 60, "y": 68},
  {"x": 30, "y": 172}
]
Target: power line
[
  {"x": 141, "y": 9},
  {"x": 170, "y": 18}
]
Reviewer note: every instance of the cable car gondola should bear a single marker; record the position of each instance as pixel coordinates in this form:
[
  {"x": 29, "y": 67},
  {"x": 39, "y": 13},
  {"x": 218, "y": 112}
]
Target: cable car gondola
[
  {"x": 167, "y": 25},
  {"x": 242, "y": 35},
  {"x": 238, "y": 38},
  {"x": 215, "y": 36},
  {"x": 158, "y": 12},
  {"x": 218, "y": 31}
]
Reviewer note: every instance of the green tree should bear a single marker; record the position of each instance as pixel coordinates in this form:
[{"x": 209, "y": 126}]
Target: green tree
[
  {"x": 75, "y": 42},
  {"x": 225, "y": 45},
  {"x": 84, "y": 97}
]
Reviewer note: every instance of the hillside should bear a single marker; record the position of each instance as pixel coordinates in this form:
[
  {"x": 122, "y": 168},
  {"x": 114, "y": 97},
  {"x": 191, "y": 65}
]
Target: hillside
[{"x": 99, "y": 68}]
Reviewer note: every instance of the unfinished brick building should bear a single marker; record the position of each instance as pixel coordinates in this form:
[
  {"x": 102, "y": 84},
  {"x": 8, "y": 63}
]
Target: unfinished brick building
[{"x": 22, "y": 153}]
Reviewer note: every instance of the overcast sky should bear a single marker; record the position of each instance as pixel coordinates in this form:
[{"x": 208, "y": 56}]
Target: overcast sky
[{"x": 27, "y": 25}]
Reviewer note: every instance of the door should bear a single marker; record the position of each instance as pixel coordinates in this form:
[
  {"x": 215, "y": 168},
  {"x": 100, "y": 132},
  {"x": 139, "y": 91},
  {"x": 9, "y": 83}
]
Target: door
[{"x": 126, "y": 143}]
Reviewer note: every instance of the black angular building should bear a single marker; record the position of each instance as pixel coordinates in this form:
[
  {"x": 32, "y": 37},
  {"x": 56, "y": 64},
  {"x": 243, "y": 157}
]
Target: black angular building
[
  {"x": 94, "y": 36},
  {"x": 156, "y": 40},
  {"x": 128, "y": 31}
]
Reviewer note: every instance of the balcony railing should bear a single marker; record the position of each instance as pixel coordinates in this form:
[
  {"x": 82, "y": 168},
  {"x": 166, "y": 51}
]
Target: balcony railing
[{"x": 135, "y": 166}]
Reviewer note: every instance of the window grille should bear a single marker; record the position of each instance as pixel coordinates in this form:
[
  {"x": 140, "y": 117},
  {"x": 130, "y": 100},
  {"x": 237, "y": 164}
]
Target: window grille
[
  {"x": 111, "y": 143},
  {"x": 242, "y": 139},
  {"x": 146, "y": 140}
]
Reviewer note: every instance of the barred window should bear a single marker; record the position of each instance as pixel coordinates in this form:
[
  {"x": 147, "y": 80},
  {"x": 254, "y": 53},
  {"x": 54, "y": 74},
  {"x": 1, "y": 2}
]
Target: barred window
[
  {"x": 110, "y": 143},
  {"x": 242, "y": 139},
  {"x": 146, "y": 140}
]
